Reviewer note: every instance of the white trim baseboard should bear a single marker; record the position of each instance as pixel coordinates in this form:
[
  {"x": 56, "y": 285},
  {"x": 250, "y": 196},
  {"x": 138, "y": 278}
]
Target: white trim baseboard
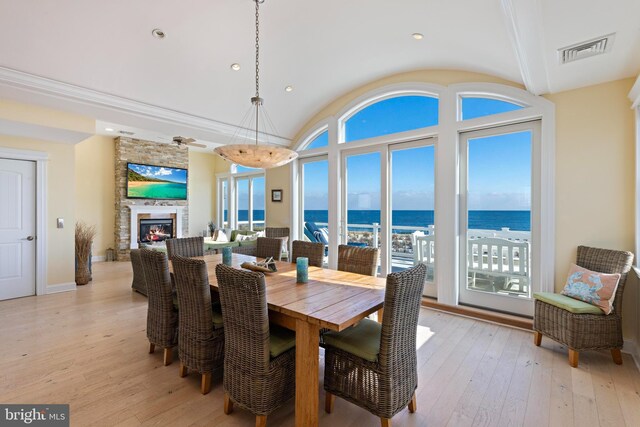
[
  {"x": 631, "y": 347},
  {"x": 61, "y": 287},
  {"x": 98, "y": 258}
]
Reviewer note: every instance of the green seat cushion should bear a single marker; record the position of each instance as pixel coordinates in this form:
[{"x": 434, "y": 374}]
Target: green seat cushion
[
  {"x": 564, "y": 302},
  {"x": 280, "y": 340},
  {"x": 362, "y": 340},
  {"x": 248, "y": 242},
  {"x": 216, "y": 310}
]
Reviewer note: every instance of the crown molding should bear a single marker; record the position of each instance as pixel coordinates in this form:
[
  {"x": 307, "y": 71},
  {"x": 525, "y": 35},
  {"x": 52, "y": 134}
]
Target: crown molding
[
  {"x": 524, "y": 25},
  {"x": 634, "y": 95},
  {"x": 54, "y": 89}
]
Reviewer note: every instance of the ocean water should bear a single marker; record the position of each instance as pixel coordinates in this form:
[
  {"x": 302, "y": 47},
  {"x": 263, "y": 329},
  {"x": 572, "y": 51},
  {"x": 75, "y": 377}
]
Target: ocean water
[
  {"x": 158, "y": 190},
  {"x": 483, "y": 220}
]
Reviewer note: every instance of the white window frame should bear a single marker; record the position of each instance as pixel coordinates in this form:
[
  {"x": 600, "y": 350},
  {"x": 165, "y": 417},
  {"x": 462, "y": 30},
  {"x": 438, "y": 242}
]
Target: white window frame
[
  {"x": 232, "y": 178},
  {"x": 447, "y": 131}
]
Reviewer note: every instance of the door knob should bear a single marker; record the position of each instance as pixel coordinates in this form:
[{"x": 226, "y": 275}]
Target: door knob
[{"x": 29, "y": 238}]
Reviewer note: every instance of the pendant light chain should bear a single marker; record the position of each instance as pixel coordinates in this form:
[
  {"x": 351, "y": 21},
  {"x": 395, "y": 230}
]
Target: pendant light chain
[{"x": 257, "y": 48}]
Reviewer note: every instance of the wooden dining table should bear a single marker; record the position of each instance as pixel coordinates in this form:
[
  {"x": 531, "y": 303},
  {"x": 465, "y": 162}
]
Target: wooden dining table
[{"x": 331, "y": 299}]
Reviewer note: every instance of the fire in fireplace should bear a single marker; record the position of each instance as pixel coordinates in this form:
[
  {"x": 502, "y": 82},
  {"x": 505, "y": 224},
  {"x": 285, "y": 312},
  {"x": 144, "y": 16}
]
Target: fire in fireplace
[{"x": 155, "y": 230}]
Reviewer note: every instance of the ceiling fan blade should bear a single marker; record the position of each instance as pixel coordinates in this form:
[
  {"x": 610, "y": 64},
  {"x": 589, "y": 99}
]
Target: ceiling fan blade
[{"x": 193, "y": 144}]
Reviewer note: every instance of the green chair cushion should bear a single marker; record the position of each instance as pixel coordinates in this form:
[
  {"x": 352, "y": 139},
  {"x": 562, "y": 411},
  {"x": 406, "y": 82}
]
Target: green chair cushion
[
  {"x": 362, "y": 340},
  {"x": 280, "y": 340},
  {"x": 220, "y": 245},
  {"x": 248, "y": 242},
  {"x": 564, "y": 302},
  {"x": 216, "y": 310}
]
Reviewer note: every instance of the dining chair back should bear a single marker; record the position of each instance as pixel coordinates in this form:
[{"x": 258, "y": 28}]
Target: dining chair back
[
  {"x": 139, "y": 283},
  {"x": 200, "y": 345},
  {"x": 313, "y": 251},
  {"x": 256, "y": 376},
  {"x": 375, "y": 366},
  {"x": 269, "y": 247},
  {"x": 361, "y": 260},
  {"x": 162, "y": 316},
  {"x": 185, "y": 247},
  {"x": 282, "y": 232}
]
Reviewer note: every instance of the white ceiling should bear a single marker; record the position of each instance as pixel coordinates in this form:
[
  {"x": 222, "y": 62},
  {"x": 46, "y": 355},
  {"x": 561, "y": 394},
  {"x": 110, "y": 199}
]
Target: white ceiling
[{"x": 323, "y": 48}]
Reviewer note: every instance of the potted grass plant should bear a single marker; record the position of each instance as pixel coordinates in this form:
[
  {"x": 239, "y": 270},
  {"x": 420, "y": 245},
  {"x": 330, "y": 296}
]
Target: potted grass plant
[{"x": 84, "y": 239}]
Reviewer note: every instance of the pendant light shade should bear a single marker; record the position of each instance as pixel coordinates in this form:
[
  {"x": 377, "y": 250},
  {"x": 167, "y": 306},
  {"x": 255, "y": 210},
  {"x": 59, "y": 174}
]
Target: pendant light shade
[{"x": 258, "y": 155}]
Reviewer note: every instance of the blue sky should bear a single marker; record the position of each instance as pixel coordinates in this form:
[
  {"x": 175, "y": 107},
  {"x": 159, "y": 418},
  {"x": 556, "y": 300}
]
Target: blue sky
[
  {"x": 499, "y": 167},
  {"x": 243, "y": 193},
  {"x": 164, "y": 173}
]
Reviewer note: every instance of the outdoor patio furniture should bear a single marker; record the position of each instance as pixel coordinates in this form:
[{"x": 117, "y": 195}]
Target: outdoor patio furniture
[
  {"x": 374, "y": 365},
  {"x": 162, "y": 315},
  {"x": 200, "y": 331},
  {"x": 559, "y": 317},
  {"x": 259, "y": 360}
]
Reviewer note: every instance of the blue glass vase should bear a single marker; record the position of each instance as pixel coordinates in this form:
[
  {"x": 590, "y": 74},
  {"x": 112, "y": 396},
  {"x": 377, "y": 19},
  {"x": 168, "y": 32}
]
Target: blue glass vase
[
  {"x": 226, "y": 256},
  {"x": 302, "y": 269}
]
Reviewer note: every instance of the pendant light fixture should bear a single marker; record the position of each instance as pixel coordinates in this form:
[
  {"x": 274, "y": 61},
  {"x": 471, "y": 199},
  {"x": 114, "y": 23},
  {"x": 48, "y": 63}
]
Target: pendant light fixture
[{"x": 258, "y": 155}]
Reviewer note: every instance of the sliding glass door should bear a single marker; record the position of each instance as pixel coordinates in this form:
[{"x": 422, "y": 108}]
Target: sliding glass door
[
  {"x": 496, "y": 211},
  {"x": 314, "y": 200}
]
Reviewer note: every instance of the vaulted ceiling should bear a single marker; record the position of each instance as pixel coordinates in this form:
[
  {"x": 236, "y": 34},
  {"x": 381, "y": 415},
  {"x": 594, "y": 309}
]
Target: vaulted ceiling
[{"x": 100, "y": 57}]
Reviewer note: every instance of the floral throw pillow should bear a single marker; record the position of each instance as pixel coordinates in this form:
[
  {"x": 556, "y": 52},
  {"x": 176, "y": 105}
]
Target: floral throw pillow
[{"x": 595, "y": 288}]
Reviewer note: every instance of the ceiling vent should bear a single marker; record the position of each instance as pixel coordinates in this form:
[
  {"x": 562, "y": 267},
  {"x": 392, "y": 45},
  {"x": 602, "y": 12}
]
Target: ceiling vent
[{"x": 585, "y": 49}]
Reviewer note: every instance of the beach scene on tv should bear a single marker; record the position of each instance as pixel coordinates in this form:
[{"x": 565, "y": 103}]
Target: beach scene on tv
[{"x": 156, "y": 182}]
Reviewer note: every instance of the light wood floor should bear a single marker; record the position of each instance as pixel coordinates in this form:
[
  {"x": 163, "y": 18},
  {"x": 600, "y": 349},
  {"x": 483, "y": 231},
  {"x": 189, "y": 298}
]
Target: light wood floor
[{"x": 88, "y": 348}]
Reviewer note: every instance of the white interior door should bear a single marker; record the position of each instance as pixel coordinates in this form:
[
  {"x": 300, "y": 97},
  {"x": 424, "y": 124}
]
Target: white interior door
[{"x": 17, "y": 228}]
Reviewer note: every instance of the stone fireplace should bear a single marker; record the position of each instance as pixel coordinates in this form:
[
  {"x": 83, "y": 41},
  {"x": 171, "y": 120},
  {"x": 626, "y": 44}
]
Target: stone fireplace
[{"x": 130, "y": 212}]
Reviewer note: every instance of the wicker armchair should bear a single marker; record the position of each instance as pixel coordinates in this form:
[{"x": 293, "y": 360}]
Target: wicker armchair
[
  {"x": 279, "y": 232},
  {"x": 250, "y": 250},
  {"x": 313, "y": 251},
  {"x": 186, "y": 247},
  {"x": 259, "y": 362},
  {"x": 375, "y": 365},
  {"x": 586, "y": 331},
  {"x": 200, "y": 334},
  {"x": 162, "y": 317},
  {"x": 269, "y": 247},
  {"x": 361, "y": 260},
  {"x": 139, "y": 283}
]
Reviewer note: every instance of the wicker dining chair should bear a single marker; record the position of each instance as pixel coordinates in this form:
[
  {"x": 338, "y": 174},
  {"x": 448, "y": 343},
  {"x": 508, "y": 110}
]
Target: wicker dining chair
[
  {"x": 185, "y": 247},
  {"x": 313, "y": 251},
  {"x": 259, "y": 359},
  {"x": 361, "y": 260},
  {"x": 269, "y": 247},
  {"x": 200, "y": 331},
  {"x": 578, "y": 331},
  {"x": 374, "y": 365},
  {"x": 279, "y": 232},
  {"x": 139, "y": 283},
  {"x": 162, "y": 316}
]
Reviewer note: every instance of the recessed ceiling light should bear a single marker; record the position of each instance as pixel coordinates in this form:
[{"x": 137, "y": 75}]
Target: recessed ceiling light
[
  {"x": 158, "y": 33},
  {"x": 235, "y": 66},
  {"x": 109, "y": 129},
  {"x": 288, "y": 88},
  {"x": 417, "y": 36}
]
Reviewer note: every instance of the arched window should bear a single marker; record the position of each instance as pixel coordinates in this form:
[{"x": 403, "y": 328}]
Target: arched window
[
  {"x": 392, "y": 115},
  {"x": 473, "y": 107},
  {"x": 322, "y": 140}
]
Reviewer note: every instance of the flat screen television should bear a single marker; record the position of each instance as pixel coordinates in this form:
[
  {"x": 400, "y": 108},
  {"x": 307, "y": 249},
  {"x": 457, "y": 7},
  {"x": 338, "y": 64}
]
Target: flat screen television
[{"x": 156, "y": 182}]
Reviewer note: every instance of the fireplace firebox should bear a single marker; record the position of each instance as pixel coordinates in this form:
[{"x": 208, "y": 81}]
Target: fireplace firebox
[{"x": 155, "y": 230}]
